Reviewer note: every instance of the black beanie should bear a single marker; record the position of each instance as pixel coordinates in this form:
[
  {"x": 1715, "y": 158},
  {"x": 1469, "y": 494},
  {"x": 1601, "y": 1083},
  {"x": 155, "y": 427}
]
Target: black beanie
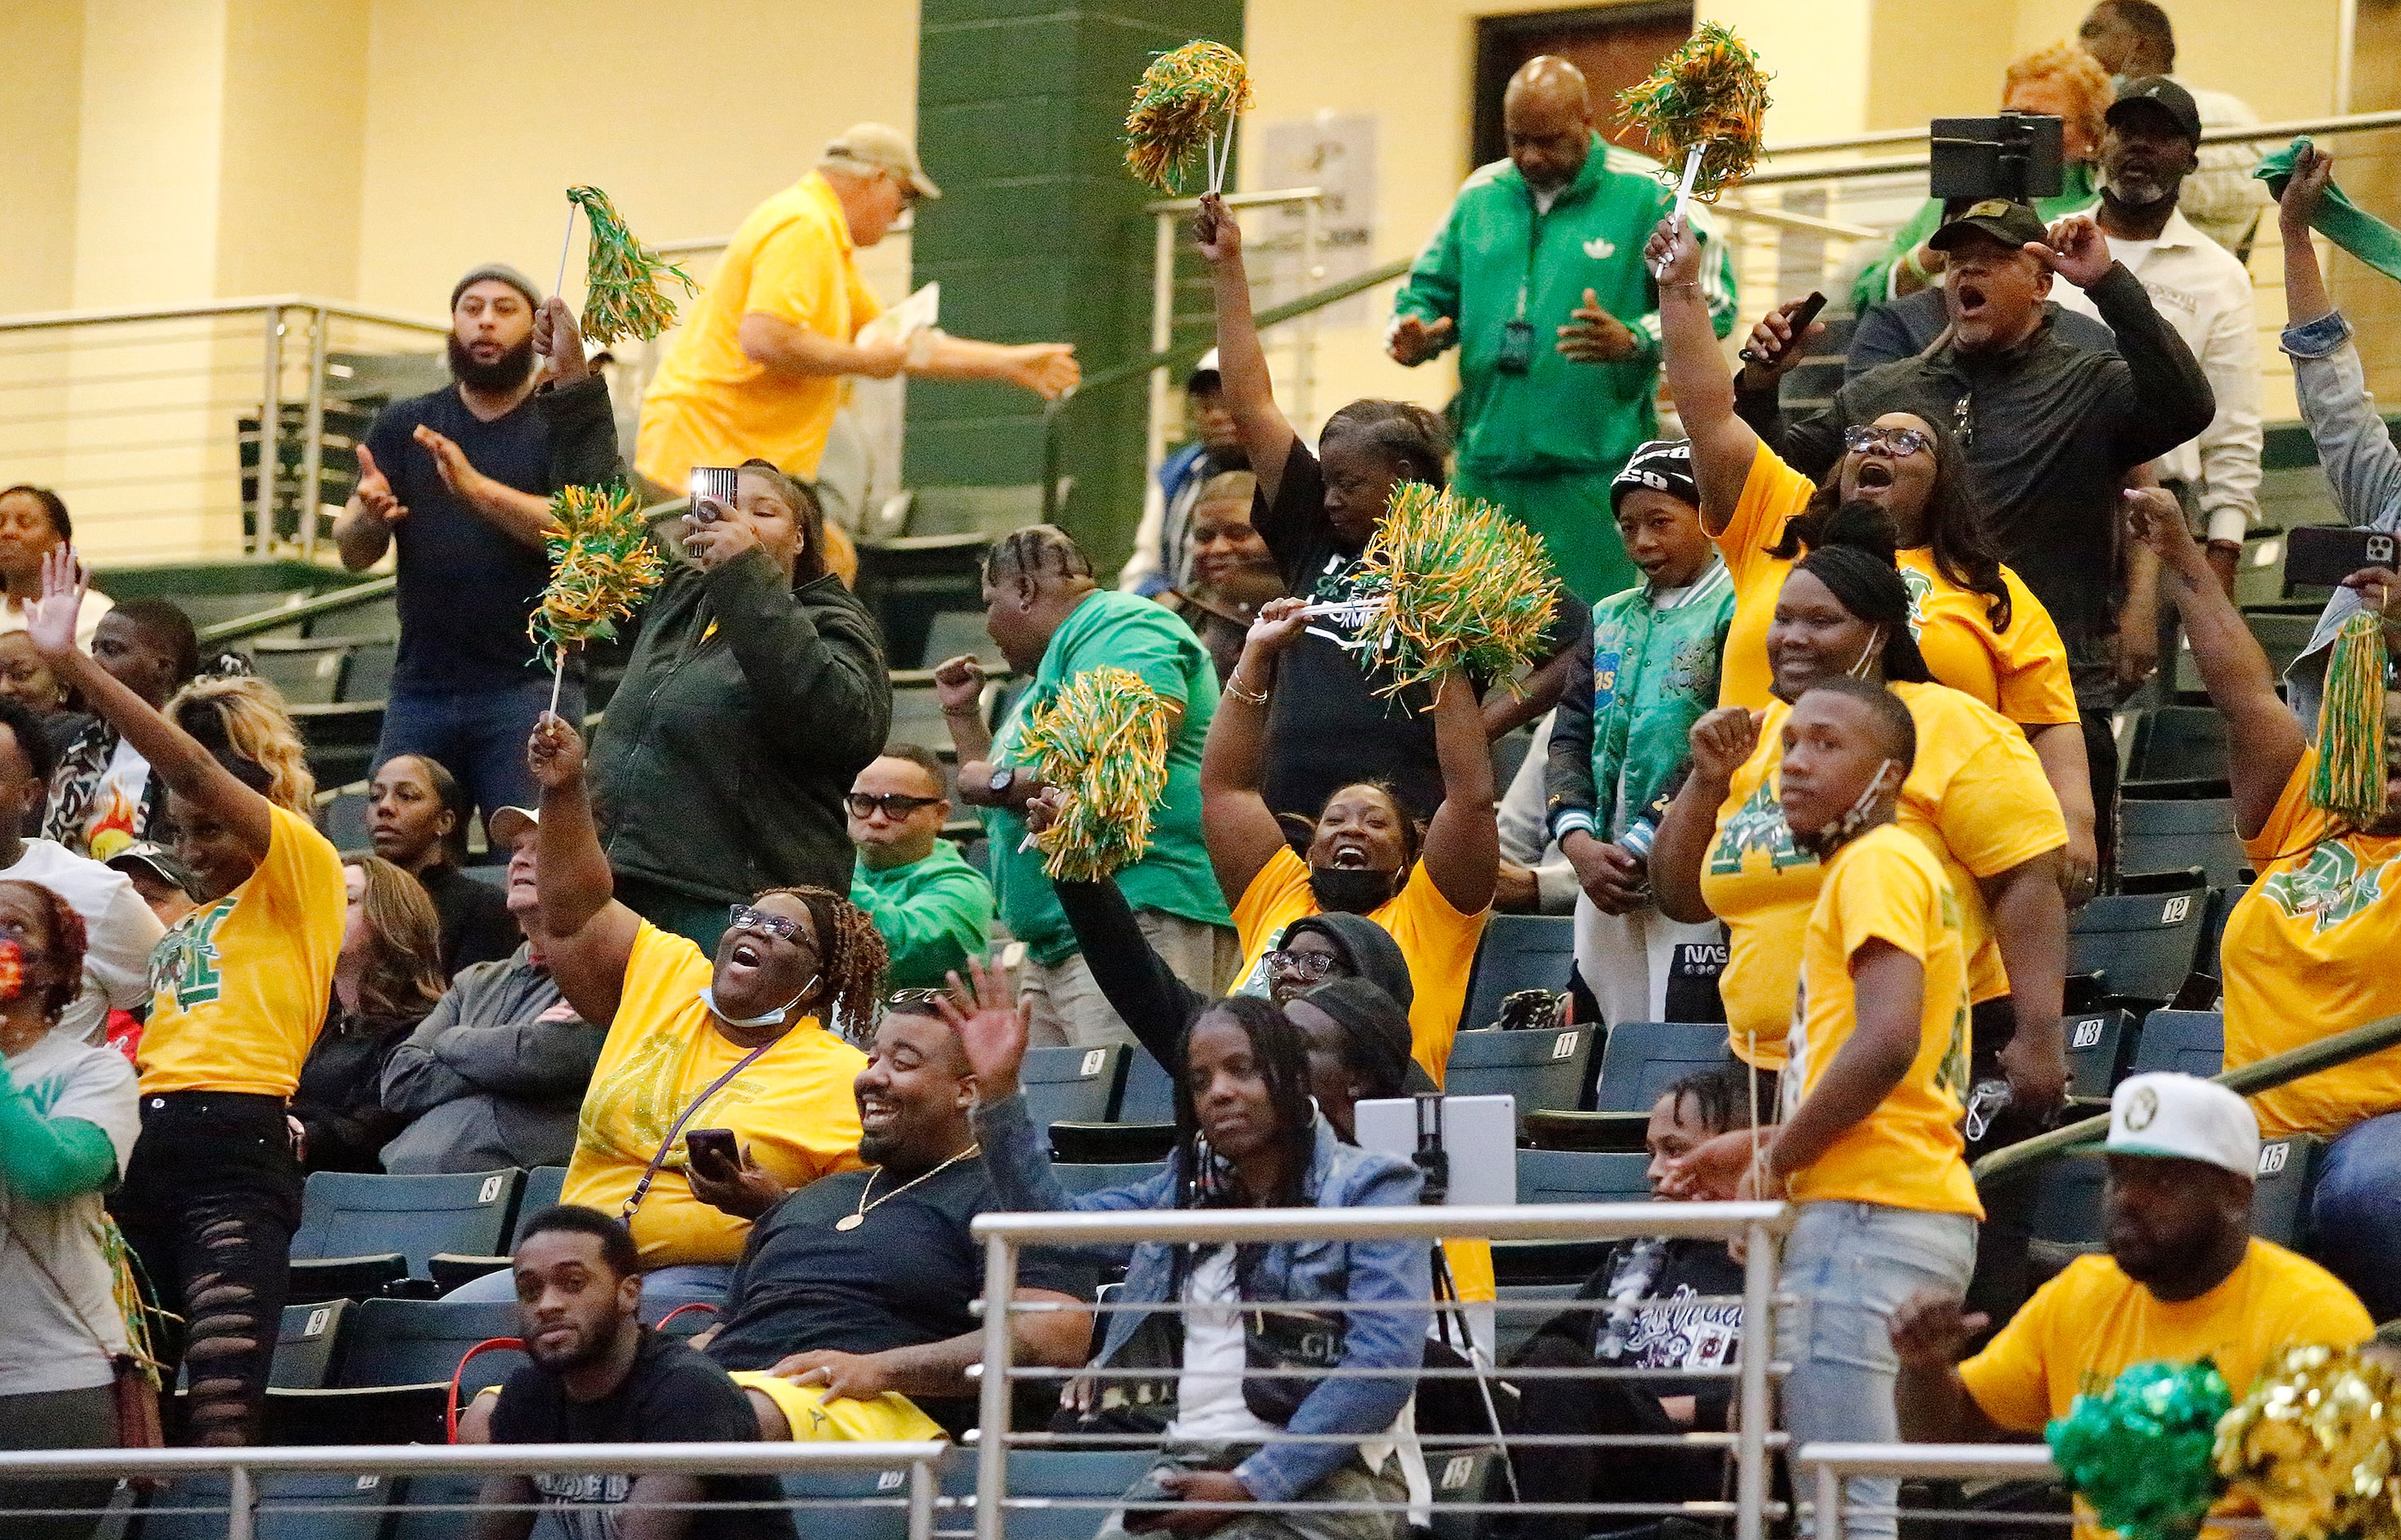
[
  {"x": 1372, "y": 953},
  {"x": 1376, "y": 1030}
]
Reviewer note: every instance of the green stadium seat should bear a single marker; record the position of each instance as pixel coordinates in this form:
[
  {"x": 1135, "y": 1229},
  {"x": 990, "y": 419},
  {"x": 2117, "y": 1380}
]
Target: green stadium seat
[
  {"x": 306, "y": 1506},
  {"x": 1518, "y": 952},
  {"x": 1546, "y": 1070},
  {"x": 1073, "y": 1084},
  {"x": 348, "y": 1214},
  {"x": 1080, "y": 1178},
  {"x": 1582, "y": 1177},
  {"x": 305, "y": 1344},
  {"x": 2188, "y": 1042},
  {"x": 1643, "y": 1059},
  {"x": 2140, "y": 944},
  {"x": 2177, "y": 834}
]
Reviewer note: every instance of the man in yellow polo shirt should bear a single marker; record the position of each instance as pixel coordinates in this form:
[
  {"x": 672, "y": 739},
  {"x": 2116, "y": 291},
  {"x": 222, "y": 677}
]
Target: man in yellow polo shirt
[
  {"x": 758, "y": 367},
  {"x": 2183, "y": 1278}
]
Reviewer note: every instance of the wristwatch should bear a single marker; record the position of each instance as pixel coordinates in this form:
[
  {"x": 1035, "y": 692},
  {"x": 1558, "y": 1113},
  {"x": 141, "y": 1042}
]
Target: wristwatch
[{"x": 1001, "y": 777}]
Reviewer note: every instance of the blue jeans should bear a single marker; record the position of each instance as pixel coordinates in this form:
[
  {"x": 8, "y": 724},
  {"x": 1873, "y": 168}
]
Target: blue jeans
[
  {"x": 1848, "y": 1268},
  {"x": 2355, "y": 1215},
  {"x": 478, "y": 735},
  {"x": 664, "y": 1288}
]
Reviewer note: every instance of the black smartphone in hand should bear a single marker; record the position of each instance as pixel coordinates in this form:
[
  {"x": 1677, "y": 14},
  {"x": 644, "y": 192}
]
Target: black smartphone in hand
[
  {"x": 2321, "y": 555},
  {"x": 713, "y": 1146},
  {"x": 1801, "y": 320}
]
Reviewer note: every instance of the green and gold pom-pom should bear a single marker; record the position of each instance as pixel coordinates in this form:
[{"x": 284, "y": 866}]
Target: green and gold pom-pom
[
  {"x": 1103, "y": 742},
  {"x": 1187, "y": 98},
  {"x": 623, "y": 279},
  {"x": 1710, "y": 91},
  {"x": 2351, "y": 769},
  {"x": 2139, "y": 1453},
  {"x": 601, "y": 565},
  {"x": 2313, "y": 1445},
  {"x": 1451, "y": 584},
  {"x": 133, "y": 1305}
]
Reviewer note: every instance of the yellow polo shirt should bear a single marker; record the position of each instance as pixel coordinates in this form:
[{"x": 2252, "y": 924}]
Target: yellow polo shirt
[
  {"x": 1976, "y": 796},
  {"x": 2021, "y": 672},
  {"x": 792, "y": 1106},
  {"x": 709, "y": 404},
  {"x": 1885, "y": 886},
  {"x": 2308, "y": 952}
]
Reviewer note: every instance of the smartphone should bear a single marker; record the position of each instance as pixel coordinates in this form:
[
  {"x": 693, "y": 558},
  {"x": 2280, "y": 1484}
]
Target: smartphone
[
  {"x": 712, "y": 491},
  {"x": 2321, "y": 555},
  {"x": 1801, "y": 320},
  {"x": 717, "y": 1144}
]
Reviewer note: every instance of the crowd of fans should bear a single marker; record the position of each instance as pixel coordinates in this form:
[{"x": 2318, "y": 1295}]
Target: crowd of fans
[{"x": 1834, "y": 690}]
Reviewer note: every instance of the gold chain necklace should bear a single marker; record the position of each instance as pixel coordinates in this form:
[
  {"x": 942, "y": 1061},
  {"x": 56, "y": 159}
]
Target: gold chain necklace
[{"x": 852, "y": 1222}]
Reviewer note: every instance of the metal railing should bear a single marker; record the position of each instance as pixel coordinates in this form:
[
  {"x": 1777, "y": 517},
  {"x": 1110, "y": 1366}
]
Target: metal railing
[
  {"x": 205, "y": 430},
  {"x": 241, "y": 1467},
  {"x": 1820, "y": 1470},
  {"x": 1757, "y": 1225}
]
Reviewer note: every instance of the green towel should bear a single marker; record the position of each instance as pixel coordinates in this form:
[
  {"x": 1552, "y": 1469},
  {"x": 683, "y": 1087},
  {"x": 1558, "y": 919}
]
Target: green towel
[{"x": 2338, "y": 219}]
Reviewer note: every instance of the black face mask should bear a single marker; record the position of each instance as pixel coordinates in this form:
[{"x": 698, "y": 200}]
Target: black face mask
[{"x": 1351, "y": 890}]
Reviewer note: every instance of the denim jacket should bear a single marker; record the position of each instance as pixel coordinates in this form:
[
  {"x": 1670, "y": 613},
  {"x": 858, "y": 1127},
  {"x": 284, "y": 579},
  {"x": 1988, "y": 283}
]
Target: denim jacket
[
  {"x": 1340, "y": 1175},
  {"x": 2361, "y": 464}
]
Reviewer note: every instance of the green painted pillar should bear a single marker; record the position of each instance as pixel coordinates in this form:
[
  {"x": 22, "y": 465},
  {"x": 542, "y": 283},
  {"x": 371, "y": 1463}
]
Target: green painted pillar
[{"x": 1039, "y": 235}]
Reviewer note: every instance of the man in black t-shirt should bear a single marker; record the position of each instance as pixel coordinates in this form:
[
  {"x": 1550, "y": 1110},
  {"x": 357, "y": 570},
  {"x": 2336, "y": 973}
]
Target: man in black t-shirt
[
  {"x": 851, "y": 1315},
  {"x": 461, "y": 479},
  {"x": 599, "y": 1376}
]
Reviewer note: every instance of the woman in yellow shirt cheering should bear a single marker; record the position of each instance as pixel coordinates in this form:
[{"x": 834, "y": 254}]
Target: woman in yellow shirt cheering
[
  {"x": 1982, "y": 631},
  {"x": 212, "y": 1193},
  {"x": 2307, "y": 952},
  {"x": 744, "y": 1042}
]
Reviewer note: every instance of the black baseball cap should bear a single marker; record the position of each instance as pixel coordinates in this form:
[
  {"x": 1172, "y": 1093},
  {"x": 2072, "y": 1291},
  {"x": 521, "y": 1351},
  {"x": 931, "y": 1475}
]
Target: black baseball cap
[
  {"x": 2011, "y": 224},
  {"x": 2162, "y": 95},
  {"x": 160, "y": 861}
]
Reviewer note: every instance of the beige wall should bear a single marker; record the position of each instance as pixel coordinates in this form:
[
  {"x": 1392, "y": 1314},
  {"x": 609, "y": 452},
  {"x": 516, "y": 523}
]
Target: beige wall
[{"x": 41, "y": 93}]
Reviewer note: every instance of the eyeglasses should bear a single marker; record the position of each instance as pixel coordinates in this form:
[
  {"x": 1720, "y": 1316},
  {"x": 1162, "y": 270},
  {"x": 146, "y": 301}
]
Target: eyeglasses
[
  {"x": 1308, "y": 965},
  {"x": 896, "y": 806},
  {"x": 742, "y": 917},
  {"x": 1903, "y": 442}
]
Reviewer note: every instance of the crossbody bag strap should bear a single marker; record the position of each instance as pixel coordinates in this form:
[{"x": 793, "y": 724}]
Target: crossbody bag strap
[{"x": 658, "y": 1158}]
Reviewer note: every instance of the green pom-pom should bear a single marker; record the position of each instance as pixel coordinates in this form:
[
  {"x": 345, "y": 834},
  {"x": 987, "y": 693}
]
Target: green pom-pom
[
  {"x": 1451, "y": 584},
  {"x": 622, "y": 284},
  {"x": 1710, "y": 91},
  {"x": 2140, "y": 1452},
  {"x": 2350, "y": 779},
  {"x": 1101, "y": 740},
  {"x": 602, "y": 564},
  {"x": 1186, "y": 97}
]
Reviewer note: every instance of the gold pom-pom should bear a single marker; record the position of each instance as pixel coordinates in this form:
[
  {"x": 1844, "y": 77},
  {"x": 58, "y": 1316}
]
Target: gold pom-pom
[
  {"x": 1445, "y": 584},
  {"x": 1103, "y": 740},
  {"x": 623, "y": 296},
  {"x": 1710, "y": 93},
  {"x": 1186, "y": 102},
  {"x": 2312, "y": 1446},
  {"x": 601, "y": 565},
  {"x": 2351, "y": 773}
]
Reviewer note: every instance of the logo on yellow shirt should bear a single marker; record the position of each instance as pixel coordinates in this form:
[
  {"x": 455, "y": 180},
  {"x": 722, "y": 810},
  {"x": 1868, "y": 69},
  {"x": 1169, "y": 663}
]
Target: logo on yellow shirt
[
  {"x": 628, "y": 1112},
  {"x": 2328, "y": 889},
  {"x": 1919, "y": 585},
  {"x": 1758, "y": 824},
  {"x": 186, "y": 963}
]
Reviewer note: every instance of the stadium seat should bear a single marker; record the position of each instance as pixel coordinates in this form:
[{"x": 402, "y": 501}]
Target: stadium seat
[
  {"x": 2279, "y": 1198},
  {"x": 917, "y": 711},
  {"x": 1071, "y": 1492},
  {"x": 348, "y": 1214},
  {"x": 2097, "y": 1042},
  {"x": 1544, "y": 1070},
  {"x": 2064, "y": 1219},
  {"x": 2141, "y": 944},
  {"x": 1460, "y": 1476},
  {"x": 344, "y": 821},
  {"x": 542, "y": 1186},
  {"x": 420, "y": 1341},
  {"x": 1591, "y": 1132},
  {"x": 2172, "y": 833},
  {"x": 1580, "y": 1176},
  {"x": 437, "y": 1507},
  {"x": 1525, "y": 1306},
  {"x": 2175, "y": 743},
  {"x": 1149, "y": 1094},
  {"x": 952, "y": 632},
  {"x": 1518, "y": 952},
  {"x": 1073, "y": 1084},
  {"x": 1092, "y": 1177},
  {"x": 368, "y": 676},
  {"x": 307, "y": 1506},
  {"x": 2282, "y": 631},
  {"x": 307, "y": 673},
  {"x": 341, "y": 738},
  {"x": 858, "y": 1505},
  {"x": 375, "y": 618},
  {"x": 2189, "y": 1042},
  {"x": 2213, "y": 928},
  {"x": 1643, "y": 1059},
  {"x": 305, "y": 1344}
]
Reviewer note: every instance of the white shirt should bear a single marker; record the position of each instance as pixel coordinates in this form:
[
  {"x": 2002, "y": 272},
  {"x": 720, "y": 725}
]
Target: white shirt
[
  {"x": 50, "y": 1340},
  {"x": 2205, "y": 295},
  {"x": 1209, "y": 1405},
  {"x": 120, "y": 933},
  {"x": 95, "y": 604}
]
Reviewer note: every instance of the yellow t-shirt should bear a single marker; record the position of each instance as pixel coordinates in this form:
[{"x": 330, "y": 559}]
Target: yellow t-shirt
[
  {"x": 709, "y": 404},
  {"x": 2021, "y": 672},
  {"x": 1436, "y": 940},
  {"x": 793, "y": 1106},
  {"x": 1886, "y": 885},
  {"x": 1976, "y": 796},
  {"x": 2308, "y": 952},
  {"x": 238, "y": 988}
]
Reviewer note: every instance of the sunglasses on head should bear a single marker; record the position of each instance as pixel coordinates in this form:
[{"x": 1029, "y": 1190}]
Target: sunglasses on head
[
  {"x": 897, "y": 806},
  {"x": 744, "y": 916},
  {"x": 1903, "y": 442}
]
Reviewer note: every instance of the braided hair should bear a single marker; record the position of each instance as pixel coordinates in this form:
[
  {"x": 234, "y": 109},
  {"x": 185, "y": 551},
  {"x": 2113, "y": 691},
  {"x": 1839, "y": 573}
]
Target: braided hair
[
  {"x": 1026, "y": 555},
  {"x": 1717, "y": 1097},
  {"x": 849, "y": 990},
  {"x": 1855, "y": 564},
  {"x": 1407, "y": 435},
  {"x": 1281, "y": 1051},
  {"x": 65, "y": 952}
]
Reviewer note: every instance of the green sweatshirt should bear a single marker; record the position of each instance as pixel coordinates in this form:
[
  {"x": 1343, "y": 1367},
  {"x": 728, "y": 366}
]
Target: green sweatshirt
[
  {"x": 934, "y": 914},
  {"x": 1497, "y": 249}
]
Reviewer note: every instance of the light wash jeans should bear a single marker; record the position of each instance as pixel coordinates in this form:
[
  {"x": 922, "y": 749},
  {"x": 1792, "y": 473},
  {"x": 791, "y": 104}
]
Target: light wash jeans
[
  {"x": 1848, "y": 1268},
  {"x": 664, "y": 1288}
]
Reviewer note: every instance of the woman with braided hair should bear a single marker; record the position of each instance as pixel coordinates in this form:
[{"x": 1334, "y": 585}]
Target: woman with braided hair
[{"x": 757, "y": 1041}]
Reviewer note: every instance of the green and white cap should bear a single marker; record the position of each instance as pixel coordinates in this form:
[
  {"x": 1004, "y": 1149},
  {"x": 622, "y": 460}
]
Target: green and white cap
[{"x": 2183, "y": 1118}]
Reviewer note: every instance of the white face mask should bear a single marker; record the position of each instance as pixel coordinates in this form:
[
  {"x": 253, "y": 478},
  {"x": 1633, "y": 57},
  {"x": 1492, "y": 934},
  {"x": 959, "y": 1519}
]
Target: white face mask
[
  {"x": 1868, "y": 654},
  {"x": 1835, "y": 833},
  {"x": 708, "y": 998}
]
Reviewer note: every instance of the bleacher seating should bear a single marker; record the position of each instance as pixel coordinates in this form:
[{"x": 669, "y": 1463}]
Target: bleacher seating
[
  {"x": 306, "y": 1341},
  {"x": 1544, "y": 1070},
  {"x": 2221, "y": 903},
  {"x": 2141, "y": 944},
  {"x": 302, "y": 1505},
  {"x": 397, "y": 1223},
  {"x": 1149, "y": 1094},
  {"x": 436, "y": 1506},
  {"x": 952, "y": 632},
  {"x": 307, "y": 673},
  {"x": 2280, "y": 1195},
  {"x": 2097, "y": 1044},
  {"x": 868, "y": 1504},
  {"x": 2190, "y": 1042},
  {"x": 2174, "y": 743},
  {"x": 1082, "y": 1177},
  {"x": 1072, "y": 1490},
  {"x": 1643, "y": 1059},
  {"x": 1582, "y": 1177},
  {"x": 542, "y": 1186},
  {"x": 1073, "y": 1084},
  {"x": 1518, "y": 952},
  {"x": 2170, "y": 834}
]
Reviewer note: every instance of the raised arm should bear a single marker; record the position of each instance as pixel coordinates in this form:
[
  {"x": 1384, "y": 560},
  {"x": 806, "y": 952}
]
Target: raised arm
[
  {"x": 1133, "y": 977},
  {"x": 591, "y": 934},
  {"x": 2264, "y": 739},
  {"x": 1933, "y": 1402},
  {"x": 176, "y": 758},
  {"x": 1721, "y": 741},
  {"x": 1249, "y": 394},
  {"x": 2165, "y": 398},
  {"x": 1724, "y": 445},
  {"x": 1242, "y": 834},
  {"x": 2358, "y": 455},
  {"x": 1463, "y": 844}
]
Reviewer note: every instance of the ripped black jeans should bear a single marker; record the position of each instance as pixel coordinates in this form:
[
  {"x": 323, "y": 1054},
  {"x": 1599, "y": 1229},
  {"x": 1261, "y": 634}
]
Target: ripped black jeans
[{"x": 210, "y": 1202}]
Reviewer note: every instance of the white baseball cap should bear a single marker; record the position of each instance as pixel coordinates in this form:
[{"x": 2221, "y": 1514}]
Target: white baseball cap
[{"x": 2184, "y": 1118}]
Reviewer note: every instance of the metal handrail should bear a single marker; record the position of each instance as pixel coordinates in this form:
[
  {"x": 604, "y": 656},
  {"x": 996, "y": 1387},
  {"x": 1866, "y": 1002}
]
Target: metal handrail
[
  {"x": 1756, "y": 1224},
  {"x": 242, "y": 627},
  {"x": 43, "y": 320},
  {"x": 2340, "y": 123}
]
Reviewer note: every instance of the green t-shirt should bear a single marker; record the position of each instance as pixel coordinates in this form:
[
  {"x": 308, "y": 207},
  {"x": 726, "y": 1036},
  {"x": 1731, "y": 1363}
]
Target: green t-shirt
[
  {"x": 1129, "y": 632},
  {"x": 934, "y": 914}
]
